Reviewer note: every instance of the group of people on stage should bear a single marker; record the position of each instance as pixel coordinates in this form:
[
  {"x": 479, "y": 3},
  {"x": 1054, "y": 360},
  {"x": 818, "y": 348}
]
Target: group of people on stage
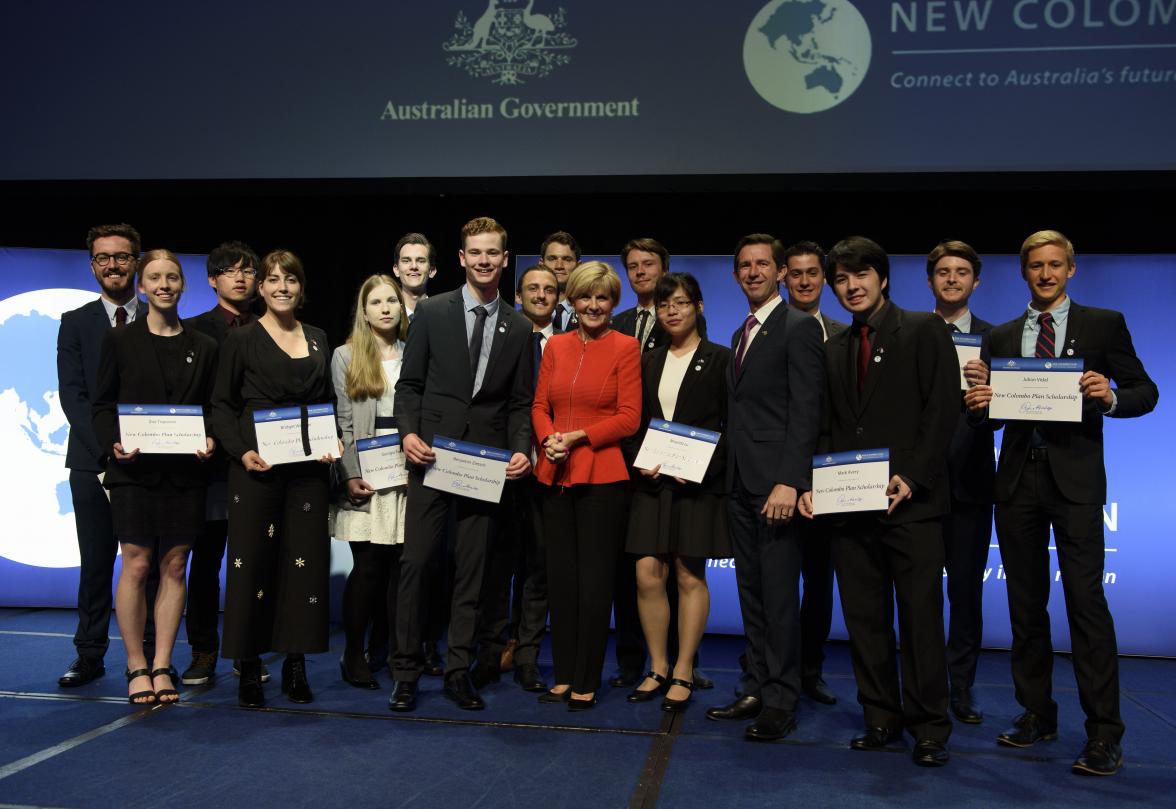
[{"x": 568, "y": 388}]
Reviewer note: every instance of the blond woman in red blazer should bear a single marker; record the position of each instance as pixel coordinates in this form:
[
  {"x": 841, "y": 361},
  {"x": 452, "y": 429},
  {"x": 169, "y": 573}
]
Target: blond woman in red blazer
[{"x": 587, "y": 399}]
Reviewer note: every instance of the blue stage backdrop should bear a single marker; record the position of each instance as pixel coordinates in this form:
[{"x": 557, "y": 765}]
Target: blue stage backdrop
[{"x": 38, "y": 548}]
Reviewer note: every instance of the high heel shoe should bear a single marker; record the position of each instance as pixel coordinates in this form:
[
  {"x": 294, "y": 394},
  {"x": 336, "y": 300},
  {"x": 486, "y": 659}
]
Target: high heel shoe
[
  {"x": 135, "y": 697},
  {"x": 167, "y": 696},
  {"x": 675, "y": 705},
  {"x": 358, "y": 678},
  {"x": 294, "y": 683},
  {"x": 637, "y": 695}
]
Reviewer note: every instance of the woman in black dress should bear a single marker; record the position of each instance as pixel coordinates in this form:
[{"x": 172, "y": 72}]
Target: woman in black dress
[
  {"x": 276, "y": 595},
  {"x": 156, "y": 500},
  {"x": 674, "y": 525}
]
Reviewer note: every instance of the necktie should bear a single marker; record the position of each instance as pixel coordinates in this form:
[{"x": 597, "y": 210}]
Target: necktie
[
  {"x": 863, "y": 358},
  {"x": 235, "y": 322},
  {"x": 476, "y": 339},
  {"x": 744, "y": 340},
  {"x": 1045, "y": 336},
  {"x": 120, "y": 317},
  {"x": 560, "y": 316},
  {"x": 410, "y": 316},
  {"x": 537, "y": 354},
  {"x": 953, "y": 328},
  {"x": 642, "y": 321}
]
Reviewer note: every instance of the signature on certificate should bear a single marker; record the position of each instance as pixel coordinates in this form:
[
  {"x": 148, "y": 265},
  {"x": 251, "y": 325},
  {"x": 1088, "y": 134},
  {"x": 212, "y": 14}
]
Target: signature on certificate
[{"x": 1035, "y": 407}]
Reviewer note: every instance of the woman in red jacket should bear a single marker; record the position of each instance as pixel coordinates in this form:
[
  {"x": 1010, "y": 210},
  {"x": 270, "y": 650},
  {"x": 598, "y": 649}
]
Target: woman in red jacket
[{"x": 587, "y": 398}]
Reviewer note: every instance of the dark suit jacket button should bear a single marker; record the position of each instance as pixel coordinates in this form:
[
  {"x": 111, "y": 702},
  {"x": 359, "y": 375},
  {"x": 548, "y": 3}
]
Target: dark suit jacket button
[{"x": 859, "y": 430}]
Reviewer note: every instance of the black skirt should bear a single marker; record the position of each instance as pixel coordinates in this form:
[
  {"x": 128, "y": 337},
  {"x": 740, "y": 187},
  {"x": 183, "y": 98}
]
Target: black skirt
[
  {"x": 673, "y": 522},
  {"x": 142, "y": 514}
]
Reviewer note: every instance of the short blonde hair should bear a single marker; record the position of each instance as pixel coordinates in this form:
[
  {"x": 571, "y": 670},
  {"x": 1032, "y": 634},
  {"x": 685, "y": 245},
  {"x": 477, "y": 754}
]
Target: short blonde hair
[
  {"x": 1042, "y": 238},
  {"x": 162, "y": 255},
  {"x": 591, "y": 276}
]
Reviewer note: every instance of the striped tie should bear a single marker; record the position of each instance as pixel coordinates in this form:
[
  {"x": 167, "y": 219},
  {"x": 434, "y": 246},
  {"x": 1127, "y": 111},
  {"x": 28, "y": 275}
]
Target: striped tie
[{"x": 1045, "y": 336}]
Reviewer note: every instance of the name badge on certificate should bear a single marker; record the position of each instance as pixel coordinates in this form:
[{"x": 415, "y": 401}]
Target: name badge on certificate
[
  {"x": 681, "y": 450},
  {"x": 162, "y": 429},
  {"x": 1031, "y": 389},
  {"x": 280, "y": 437},
  {"x": 470, "y": 470},
  {"x": 967, "y": 348},
  {"x": 851, "y": 481},
  {"x": 381, "y": 461}
]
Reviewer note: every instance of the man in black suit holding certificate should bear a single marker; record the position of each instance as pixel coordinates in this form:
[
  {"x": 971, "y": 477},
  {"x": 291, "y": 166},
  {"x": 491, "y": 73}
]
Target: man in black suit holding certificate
[
  {"x": 1051, "y": 474},
  {"x": 464, "y": 376},
  {"x": 893, "y": 383}
]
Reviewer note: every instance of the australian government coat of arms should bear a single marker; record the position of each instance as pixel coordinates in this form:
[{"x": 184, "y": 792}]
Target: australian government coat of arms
[{"x": 509, "y": 43}]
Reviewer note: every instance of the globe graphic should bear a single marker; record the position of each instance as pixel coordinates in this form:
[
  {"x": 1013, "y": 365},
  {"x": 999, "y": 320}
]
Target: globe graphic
[
  {"x": 33, "y": 431},
  {"x": 807, "y": 56}
]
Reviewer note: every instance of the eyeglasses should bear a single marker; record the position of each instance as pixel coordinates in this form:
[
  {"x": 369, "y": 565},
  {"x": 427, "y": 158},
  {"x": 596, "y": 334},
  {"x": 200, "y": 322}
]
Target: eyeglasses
[
  {"x": 104, "y": 259},
  {"x": 675, "y": 305},
  {"x": 234, "y": 272}
]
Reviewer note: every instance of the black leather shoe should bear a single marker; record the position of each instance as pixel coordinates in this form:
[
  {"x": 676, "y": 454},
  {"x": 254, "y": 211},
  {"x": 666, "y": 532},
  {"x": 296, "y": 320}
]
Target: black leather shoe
[
  {"x": 552, "y": 698},
  {"x": 404, "y": 697},
  {"x": 930, "y": 753},
  {"x": 676, "y": 705},
  {"x": 874, "y": 739},
  {"x": 83, "y": 670},
  {"x": 294, "y": 683},
  {"x": 528, "y": 677},
  {"x": 640, "y": 695},
  {"x": 1028, "y": 729},
  {"x": 772, "y": 725},
  {"x": 577, "y": 704},
  {"x": 431, "y": 663},
  {"x": 817, "y": 690},
  {"x": 249, "y": 690},
  {"x": 1098, "y": 757},
  {"x": 357, "y": 673},
  {"x": 701, "y": 680},
  {"x": 460, "y": 690},
  {"x": 483, "y": 675},
  {"x": 743, "y": 708},
  {"x": 964, "y": 708},
  {"x": 625, "y": 678}
]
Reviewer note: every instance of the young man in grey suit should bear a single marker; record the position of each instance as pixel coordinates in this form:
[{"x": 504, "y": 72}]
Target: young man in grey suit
[{"x": 464, "y": 377}]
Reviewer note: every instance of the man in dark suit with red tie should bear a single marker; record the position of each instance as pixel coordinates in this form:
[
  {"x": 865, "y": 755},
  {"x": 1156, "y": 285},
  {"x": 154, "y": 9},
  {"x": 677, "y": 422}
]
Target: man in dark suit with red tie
[{"x": 1051, "y": 475}]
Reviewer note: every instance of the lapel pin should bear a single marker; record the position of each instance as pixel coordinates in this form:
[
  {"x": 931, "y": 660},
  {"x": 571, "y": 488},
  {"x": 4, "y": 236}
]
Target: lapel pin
[
  {"x": 878, "y": 358},
  {"x": 189, "y": 359},
  {"x": 1069, "y": 352},
  {"x": 698, "y": 367},
  {"x": 502, "y": 329}
]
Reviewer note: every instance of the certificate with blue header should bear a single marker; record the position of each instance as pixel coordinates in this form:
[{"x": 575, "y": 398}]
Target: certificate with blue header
[
  {"x": 282, "y": 437},
  {"x": 681, "y": 450},
  {"x": 851, "y": 481},
  {"x": 967, "y": 348},
  {"x": 381, "y": 461},
  {"x": 470, "y": 470},
  {"x": 1032, "y": 389},
  {"x": 162, "y": 429}
]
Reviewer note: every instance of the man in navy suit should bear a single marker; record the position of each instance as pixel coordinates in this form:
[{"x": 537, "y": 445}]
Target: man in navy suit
[
  {"x": 560, "y": 253},
  {"x": 114, "y": 255},
  {"x": 775, "y": 383},
  {"x": 1051, "y": 475},
  {"x": 953, "y": 273}
]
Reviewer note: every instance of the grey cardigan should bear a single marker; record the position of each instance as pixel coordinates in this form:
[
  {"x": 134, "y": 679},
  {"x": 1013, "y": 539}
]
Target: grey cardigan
[{"x": 357, "y": 419}]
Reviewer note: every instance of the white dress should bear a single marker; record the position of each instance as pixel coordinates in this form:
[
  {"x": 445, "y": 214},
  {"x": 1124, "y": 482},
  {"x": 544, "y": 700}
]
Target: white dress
[{"x": 383, "y": 522}]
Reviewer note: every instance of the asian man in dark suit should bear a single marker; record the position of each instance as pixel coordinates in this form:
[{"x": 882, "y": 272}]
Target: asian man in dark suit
[
  {"x": 775, "y": 382},
  {"x": 114, "y": 253},
  {"x": 1052, "y": 475},
  {"x": 953, "y": 273},
  {"x": 463, "y": 376},
  {"x": 893, "y": 383}
]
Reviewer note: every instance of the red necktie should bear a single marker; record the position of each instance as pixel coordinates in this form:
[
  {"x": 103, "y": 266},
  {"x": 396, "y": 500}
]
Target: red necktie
[
  {"x": 1045, "y": 336},
  {"x": 864, "y": 351},
  {"x": 744, "y": 342}
]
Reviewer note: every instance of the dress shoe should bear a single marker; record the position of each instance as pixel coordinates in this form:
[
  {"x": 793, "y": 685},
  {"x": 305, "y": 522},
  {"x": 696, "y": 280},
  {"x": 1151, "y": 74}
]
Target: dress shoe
[
  {"x": 577, "y": 704},
  {"x": 552, "y": 698},
  {"x": 357, "y": 673},
  {"x": 701, "y": 680},
  {"x": 83, "y": 670},
  {"x": 930, "y": 753},
  {"x": 249, "y": 690},
  {"x": 743, "y": 708},
  {"x": 874, "y": 739},
  {"x": 625, "y": 678},
  {"x": 1098, "y": 757},
  {"x": 483, "y": 674},
  {"x": 1028, "y": 729},
  {"x": 676, "y": 705},
  {"x": 459, "y": 690},
  {"x": 527, "y": 675},
  {"x": 772, "y": 725},
  {"x": 964, "y": 708},
  {"x": 404, "y": 697},
  {"x": 645, "y": 695},
  {"x": 817, "y": 690},
  {"x": 506, "y": 660},
  {"x": 294, "y": 683},
  {"x": 431, "y": 663},
  {"x": 202, "y": 670}
]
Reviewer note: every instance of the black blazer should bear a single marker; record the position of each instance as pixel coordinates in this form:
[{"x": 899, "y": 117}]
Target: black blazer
[
  {"x": 971, "y": 460},
  {"x": 774, "y": 406},
  {"x": 701, "y": 402},
  {"x": 910, "y": 405},
  {"x": 626, "y": 323},
  {"x": 129, "y": 372},
  {"x": 832, "y": 327},
  {"x": 433, "y": 392},
  {"x": 1075, "y": 450}
]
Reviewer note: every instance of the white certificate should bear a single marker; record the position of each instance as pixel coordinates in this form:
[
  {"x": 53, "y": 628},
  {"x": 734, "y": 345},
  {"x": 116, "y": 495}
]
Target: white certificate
[
  {"x": 280, "y": 438},
  {"x": 470, "y": 470},
  {"x": 681, "y": 450},
  {"x": 1029, "y": 389},
  {"x": 967, "y": 348},
  {"x": 381, "y": 461},
  {"x": 162, "y": 429},
  {"x": 851, "y": 481}
]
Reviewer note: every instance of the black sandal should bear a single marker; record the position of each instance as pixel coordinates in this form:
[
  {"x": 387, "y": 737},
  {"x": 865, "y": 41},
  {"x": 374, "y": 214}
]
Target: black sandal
[
  {"x": 674, "y": 705},
  {"x": 135, "y": 697},
  {"x": 637, "y": 695},
  {"x": 165, "y": 692}
]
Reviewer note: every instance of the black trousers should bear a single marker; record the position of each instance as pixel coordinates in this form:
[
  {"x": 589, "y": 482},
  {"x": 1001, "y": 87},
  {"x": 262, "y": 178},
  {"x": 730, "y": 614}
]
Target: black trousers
[
  {"x": 278, "y": 582},
  {"x": 877, "y": 566},
  {"x": 427, "y": 517},
  {"x": 1023, "y": 531},
  {"x": 369, "y": 599},
  {"x": 203, "y": 612},
  {"x": 967, "y": 533},
  {"x": 767, "y": 573},
  {"x": 585, "y": 531},
  {"x": 97, "y": 548},
  {"x": 816, "y": 602}
]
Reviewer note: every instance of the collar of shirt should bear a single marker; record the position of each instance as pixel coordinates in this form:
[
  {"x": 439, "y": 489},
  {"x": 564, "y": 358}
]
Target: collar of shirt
[
  {"x": 874, "y": 320},
  {"x": 132, "y": 307},
  {"x": 228, "y": 316},
  {"x": 963, "y": 322},
  {"x": 547, "y": 331},
  {"x": 469, "y": 302},
  {"x": 1060, "y": 313},
  {"x": 764, "y": 312}
]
